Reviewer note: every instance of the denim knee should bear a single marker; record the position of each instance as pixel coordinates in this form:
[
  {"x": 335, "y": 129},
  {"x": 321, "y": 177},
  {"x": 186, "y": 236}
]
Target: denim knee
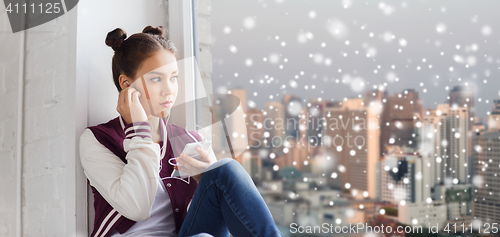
[
  {"x": 228, "y": 170},
  {"x": 219, "y": 163},
  {"x": 232, "y": 171}
]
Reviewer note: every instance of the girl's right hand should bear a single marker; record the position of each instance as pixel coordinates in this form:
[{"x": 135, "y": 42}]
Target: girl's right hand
[{"x": 130, "y": 107}]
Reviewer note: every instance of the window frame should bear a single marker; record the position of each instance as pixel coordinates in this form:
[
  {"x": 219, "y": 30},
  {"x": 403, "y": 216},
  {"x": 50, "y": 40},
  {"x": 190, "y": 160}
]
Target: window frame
[{"x": 183, "y": 33}]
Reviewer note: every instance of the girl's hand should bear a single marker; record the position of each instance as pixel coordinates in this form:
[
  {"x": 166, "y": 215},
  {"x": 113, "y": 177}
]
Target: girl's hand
[
  {"x": 130, "y": 107},
  {"x": 195, "y": 167}
]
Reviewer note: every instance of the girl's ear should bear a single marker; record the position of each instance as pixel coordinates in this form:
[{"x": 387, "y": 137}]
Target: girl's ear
[{"x": 124, "y": 83}]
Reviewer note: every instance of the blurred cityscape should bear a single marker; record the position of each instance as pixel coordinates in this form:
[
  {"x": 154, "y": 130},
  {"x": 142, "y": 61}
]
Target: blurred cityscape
[{"x": 379, "y": 159}]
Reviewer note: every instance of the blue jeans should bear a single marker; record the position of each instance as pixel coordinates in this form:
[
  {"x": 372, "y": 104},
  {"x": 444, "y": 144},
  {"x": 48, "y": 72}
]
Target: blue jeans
[{"x": 227, "y": 201}]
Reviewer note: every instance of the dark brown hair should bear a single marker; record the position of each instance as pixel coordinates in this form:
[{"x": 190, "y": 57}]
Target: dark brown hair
[{"x": 132, "y": 51}]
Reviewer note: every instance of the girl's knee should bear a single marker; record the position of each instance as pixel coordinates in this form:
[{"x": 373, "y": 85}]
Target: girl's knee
[
  {"x": 220, "y": 163},
  {"x": 228, "y": 169},
  {"x": 232, "y": 170},
  {"x": 231, "y": 165}
]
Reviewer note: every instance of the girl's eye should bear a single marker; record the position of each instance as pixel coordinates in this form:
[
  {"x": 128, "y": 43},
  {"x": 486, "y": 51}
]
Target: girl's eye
[
  {"x": 174, "y": 78},
  {"x": 156, "y": 79}
]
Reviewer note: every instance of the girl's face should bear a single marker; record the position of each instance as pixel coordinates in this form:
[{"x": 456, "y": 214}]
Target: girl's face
[{"x": 157, "y": 82}]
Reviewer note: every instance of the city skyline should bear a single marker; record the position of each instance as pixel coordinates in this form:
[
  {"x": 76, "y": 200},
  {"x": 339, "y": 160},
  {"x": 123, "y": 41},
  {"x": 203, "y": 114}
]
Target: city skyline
[
  {"x": 421, "y": 70},
  {"x": 423, "y": 170}
]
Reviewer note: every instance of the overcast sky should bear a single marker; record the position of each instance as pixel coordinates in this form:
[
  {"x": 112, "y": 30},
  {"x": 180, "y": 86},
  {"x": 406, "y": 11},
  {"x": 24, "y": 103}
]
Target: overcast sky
[{"x": 336, "y": 49}]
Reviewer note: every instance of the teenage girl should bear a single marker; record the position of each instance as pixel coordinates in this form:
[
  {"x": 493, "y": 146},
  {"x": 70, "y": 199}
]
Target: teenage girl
[{"x": 129, "y": 161}]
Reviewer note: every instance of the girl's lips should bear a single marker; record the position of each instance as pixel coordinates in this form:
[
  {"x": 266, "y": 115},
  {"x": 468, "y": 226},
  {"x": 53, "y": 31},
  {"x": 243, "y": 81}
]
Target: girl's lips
[{"x": 167, "y": 104}]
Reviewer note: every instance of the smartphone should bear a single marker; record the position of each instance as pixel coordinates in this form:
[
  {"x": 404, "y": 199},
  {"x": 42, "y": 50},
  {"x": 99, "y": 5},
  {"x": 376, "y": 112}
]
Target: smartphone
[{"x": 189, "y": 149}]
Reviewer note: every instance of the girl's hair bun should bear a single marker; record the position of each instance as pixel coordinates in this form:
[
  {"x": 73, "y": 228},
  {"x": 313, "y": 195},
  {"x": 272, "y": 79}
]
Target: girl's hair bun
[
  {"x": 160, "y": 31},
  {"x": 115, "y": 38}
]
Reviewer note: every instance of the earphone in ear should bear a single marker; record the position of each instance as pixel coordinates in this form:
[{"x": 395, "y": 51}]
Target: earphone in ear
[{"x": 128, "y": 83}]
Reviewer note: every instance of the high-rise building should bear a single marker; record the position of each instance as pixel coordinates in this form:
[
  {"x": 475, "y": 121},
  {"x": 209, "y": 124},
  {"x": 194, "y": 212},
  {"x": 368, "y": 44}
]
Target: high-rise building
[
  {"x": 430, "y": 139},
  {"x": 404, "y": 176},
  {"x": 296, "y": 156},
  {"x": 351, "y": 138},
  {"x": 255, "y": 127},
  {"x": 486, "y": 178},
  {"x": 448, "y": 129},
  {"x": 375, "y": 100},
  {"x": 375, "y": 96},
  {"x": 296, "y": 150},
  {"x": 443, "y": 142},
  {"x": 463, "y": 96},
  {"x": 315, "y": 120},
  {"x": 398, "y": 115},
  {"x": 477, "y": 126},
  {"x": 293, "y": 106},
  {"x": 457, "y": 123},
  {"x": 494, "y": 117},
  {"x": 274, "y": 123}
]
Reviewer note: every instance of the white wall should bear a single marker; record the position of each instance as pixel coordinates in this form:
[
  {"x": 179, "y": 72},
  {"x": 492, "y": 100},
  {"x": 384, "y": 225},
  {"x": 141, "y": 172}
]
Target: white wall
[
  {"x": 37, "y": 131},
  {"x": 11, "y": 52}
]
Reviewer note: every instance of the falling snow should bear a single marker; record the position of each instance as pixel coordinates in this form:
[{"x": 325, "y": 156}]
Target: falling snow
[{"x": 397, "y": 63}]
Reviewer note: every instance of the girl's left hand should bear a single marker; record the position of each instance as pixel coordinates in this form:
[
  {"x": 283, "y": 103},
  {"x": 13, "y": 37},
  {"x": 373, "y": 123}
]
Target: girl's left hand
[{"x": 195, "y": 167}]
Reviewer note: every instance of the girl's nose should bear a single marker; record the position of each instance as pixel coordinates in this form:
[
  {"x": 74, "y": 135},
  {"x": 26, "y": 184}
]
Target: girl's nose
[
  {"x": 166, "y": 89},
  {"x": 166, "y": 92}
]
